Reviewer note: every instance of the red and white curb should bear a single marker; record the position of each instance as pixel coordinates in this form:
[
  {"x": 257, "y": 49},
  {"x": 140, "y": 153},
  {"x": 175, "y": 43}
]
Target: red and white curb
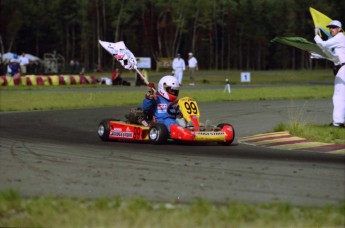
[{"x": 283, "y": 140}]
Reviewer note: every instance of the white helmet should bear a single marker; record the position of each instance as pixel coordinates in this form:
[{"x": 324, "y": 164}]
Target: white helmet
[{"x": 168, "y": 87}]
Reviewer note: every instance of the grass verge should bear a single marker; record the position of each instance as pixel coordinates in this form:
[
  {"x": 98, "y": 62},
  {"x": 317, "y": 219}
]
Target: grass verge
[
  {"x": 138, "y": 212},
  {"x": 317, "y": 133},
  {"x": 49, "y": 100}
]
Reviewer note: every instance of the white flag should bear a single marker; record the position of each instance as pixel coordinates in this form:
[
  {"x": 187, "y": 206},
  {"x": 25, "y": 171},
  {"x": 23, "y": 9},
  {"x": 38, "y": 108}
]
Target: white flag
[{"x": 121, "y": 53}]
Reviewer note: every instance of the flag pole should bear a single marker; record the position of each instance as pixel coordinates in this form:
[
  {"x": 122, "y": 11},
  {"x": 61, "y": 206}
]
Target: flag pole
[{"x": 142, "y": 76}]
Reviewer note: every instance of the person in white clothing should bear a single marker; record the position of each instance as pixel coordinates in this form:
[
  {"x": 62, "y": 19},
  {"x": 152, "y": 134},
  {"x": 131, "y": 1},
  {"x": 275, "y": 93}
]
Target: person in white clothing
[
  {"x": 105, "y": 81},
  {"x": 336, "y": 46},
  {"x": 178, "y": 66},
  {"x": 23, "y": 61},
  {"x": 192, "y": 66}
]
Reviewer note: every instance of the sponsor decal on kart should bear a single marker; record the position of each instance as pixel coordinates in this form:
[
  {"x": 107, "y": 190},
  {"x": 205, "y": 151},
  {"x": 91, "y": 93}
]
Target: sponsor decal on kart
[
  {"x": 209, "y": 133},
  {"x": 117, "y": 129},
  {"x": 127, "y": 135}
]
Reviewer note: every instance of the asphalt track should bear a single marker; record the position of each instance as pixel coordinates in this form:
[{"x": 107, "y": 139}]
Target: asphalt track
[{"x": 59, "y": 153}]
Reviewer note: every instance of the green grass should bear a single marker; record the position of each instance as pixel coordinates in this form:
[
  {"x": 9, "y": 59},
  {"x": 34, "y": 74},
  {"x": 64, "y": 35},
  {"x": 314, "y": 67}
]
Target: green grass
[
  {"x": 257, "y": 77},
  {"x": 317, "y": 133},
  {"x": 266, "y": 77},
  {"x": 138, "y": 212},
  {"x": 49, "y": 100},
  {"x": 217, "y": 77}
]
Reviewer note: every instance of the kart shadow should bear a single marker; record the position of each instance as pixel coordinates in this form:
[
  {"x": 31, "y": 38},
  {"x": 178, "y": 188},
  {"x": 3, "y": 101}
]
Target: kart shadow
[{"x": 171, "y": 142}]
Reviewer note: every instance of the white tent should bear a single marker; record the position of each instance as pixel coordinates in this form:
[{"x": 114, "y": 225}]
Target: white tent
[
  {"x": 32, "y": 57},
  {"x": 9, "y": 56}
]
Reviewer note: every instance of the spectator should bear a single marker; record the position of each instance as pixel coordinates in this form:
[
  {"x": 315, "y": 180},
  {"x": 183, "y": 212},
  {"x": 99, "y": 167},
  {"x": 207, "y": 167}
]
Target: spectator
[
  {"x": 192, "y": 66},
  {"x": 71, "y": 66},
  {"x": 82, "y": 70},
  {"x": 105, "y": 80},
  {"x": 55, "y": 54},
  {"x": 14, "y": 67},
  {"x": 33, "y": 67},
  {"x": 116, "y": 77},
  {"x": 23, "y": 61},
  {"x": 178, "y": 66},
  {"x": 76, "y": 67},
  {"x": 97, "y": 68},
  {"x": 336, "y": 46}
]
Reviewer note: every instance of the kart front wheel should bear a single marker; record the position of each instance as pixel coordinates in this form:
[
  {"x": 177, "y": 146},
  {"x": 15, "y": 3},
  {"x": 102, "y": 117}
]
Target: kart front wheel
[
  {"x": 227, "y": 142},
  {"x": 104, "y": 130},
  {"x": 158, "y": 134}
]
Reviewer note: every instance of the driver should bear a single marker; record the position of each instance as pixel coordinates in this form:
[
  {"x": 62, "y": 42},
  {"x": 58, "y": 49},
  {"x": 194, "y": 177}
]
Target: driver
[{"x": 167, "y": 93}]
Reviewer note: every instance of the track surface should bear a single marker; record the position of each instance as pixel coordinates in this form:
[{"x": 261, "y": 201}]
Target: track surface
[{"x": 59, "y": 152}]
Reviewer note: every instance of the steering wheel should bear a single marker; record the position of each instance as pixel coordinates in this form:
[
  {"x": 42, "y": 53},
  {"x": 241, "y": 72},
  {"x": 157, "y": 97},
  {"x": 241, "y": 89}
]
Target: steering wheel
[{"x": 174, "y": 109}]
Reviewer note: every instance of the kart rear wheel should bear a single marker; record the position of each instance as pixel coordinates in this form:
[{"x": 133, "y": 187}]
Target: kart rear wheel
[
  {"x": 104, "y": 130},
  {"x": 233, "y": 137},
  {"x": 158, "y": 134}
]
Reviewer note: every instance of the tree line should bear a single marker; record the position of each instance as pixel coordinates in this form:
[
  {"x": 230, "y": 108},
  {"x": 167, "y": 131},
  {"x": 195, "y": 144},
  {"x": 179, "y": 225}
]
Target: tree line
[{"x": 222, "y": 34}]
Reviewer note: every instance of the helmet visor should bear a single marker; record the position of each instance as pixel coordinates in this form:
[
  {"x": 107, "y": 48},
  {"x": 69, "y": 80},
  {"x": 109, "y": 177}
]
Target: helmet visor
[{"x": 171, "y": 91}]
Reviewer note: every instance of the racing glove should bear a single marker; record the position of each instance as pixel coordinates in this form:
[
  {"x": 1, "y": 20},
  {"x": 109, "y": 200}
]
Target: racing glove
[{"x": 151, "y": 92}]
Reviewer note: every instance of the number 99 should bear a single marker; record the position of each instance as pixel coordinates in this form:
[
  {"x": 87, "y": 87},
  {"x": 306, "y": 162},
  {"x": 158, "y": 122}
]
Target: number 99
[{"x": 191, "y": 108}]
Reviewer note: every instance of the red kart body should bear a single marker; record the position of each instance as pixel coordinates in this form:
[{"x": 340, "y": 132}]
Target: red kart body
[{"x": 157, "y": 133}]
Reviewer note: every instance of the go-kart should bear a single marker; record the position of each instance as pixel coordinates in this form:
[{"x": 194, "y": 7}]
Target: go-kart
[{"x": 141, "y": 126}]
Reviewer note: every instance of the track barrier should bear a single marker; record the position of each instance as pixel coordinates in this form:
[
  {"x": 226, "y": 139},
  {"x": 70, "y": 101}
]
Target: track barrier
[{"x": 47, "y": 80}]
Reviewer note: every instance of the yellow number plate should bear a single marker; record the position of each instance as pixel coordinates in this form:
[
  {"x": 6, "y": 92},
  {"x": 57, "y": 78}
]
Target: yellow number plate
[{"x": 188, "y": 107}]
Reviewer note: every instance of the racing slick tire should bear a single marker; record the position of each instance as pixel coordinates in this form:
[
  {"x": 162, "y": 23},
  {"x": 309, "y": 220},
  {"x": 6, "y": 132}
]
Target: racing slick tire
[
  {"x": 233, "y": 130},
  {"x": 158, "y": 134},
  {"x": 103, "y": 130}
]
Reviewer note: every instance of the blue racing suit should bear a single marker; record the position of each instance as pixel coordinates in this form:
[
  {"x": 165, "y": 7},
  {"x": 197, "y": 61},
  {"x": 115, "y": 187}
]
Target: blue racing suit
[{"x": 160, "y": 107}]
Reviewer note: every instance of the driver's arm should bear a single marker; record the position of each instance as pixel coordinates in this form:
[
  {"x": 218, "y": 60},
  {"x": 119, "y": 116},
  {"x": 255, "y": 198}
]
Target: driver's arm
[{"x": 148, "y": 104}]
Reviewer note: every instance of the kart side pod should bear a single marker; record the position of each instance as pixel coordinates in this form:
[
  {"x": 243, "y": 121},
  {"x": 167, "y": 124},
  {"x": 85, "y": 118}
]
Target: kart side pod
[
  {"x": 225, "y": 135},
  {"x": 179, "y": 133}
]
